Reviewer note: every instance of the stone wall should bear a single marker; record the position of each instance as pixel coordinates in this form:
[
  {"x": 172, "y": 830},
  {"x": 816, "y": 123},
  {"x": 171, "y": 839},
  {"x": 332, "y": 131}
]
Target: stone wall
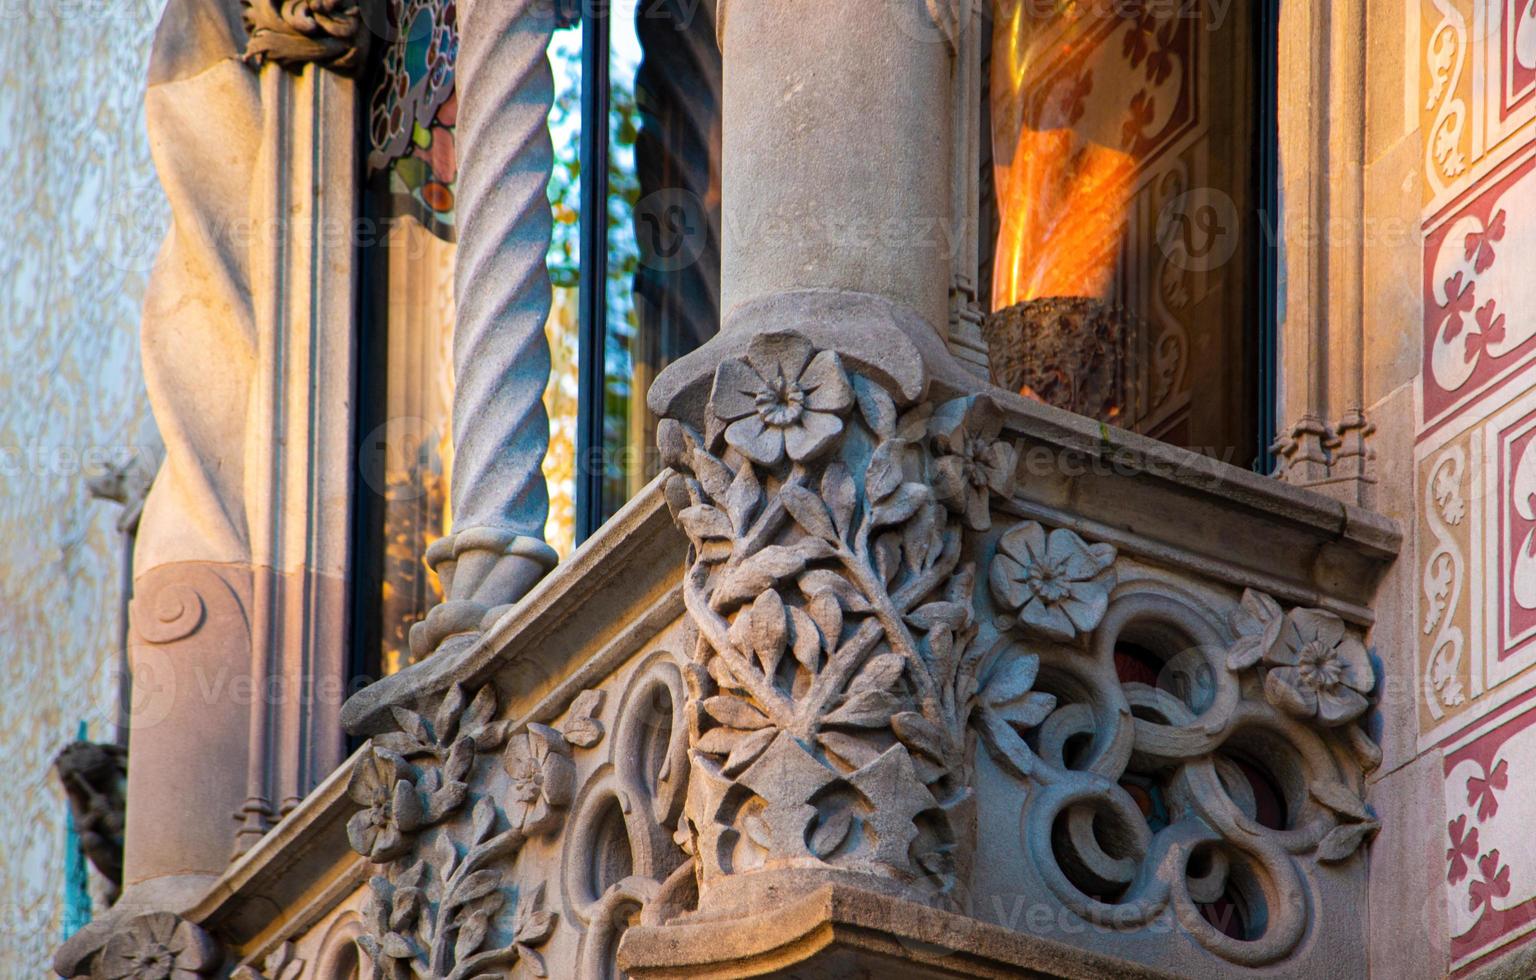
[{"x": 83, "y": 227}]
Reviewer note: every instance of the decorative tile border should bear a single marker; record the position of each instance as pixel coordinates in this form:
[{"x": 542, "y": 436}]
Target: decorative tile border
[{"x": 1490, "y": 852}]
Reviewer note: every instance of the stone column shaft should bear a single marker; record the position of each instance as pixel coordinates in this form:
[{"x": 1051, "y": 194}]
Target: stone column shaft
[{"x": 836, "y": 151}]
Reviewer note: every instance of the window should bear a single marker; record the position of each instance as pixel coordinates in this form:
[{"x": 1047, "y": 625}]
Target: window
[
  {"x": 634, "y": 262},
  {"x": 649, "y": 221},
  {"x": 1129, "y": 192}
]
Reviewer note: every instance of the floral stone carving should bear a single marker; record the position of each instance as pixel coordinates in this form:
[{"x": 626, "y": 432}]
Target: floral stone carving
[
  {"x": 157, "y": 946},
  {"x": 848, "y": 668},
  {"x": 454, "y": 912},
  {"x": 837, "y": 680}
]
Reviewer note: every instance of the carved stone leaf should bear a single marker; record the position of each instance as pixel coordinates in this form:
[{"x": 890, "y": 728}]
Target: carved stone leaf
[
  {"x": 831, "y": 832},
  {"x": 764, "y": 630},
  {"x": 460, "y": 758},
  {"x": 876, "y": 406},
  {"x": 1345, "y": 840},
  {"x": 881, "y": 674},
  {"x": 947, "y": 614},
  {"x": 747, "y": 750},
  {"x": 865, "y": 709},
  {"x": 914, "y": 425},
  {"x": 888, "y": 557},
  {"x": 918, "y": 538},
  {"x": 838, "y": 491},
  {"x": 809, "y": 512},
  {"x": 884, "y": 474},
  {"x": 902, "y": 505},
  {"x": 919, "y": 734},
  {"x": 471, "y": 936},
  {"x": 479, "y": 713},
  {"x": 449, "y": 711},
  {"x": 489, "y": 738},
  {"x": 821, "y": 580},
  {"x": 758, "y": 574},
  {"x": 742, "y": 501},
  {"x": 735, "y": 713},
  {"x": 477, "y": 885},
  {"x": 399, "y": 743},
  {"x": 1004, "y": 744},
  {"x": 706, "y": 523},
  {"x": 396, "y": 946},
  {"x": 808, "y": 642},
  {"x": 1013, "y": 680},
  {"x": 1340, "y": 799},
  {"x": 827, "y": 613},
  {"x": 714, "y": 476},
  {"x": 853, "y": 750},
  {"x": 582, "y": 729},
  {"x": 412, "y": 724},
  {"x": 483, "y": 819},
  {"x": 1029, "y": 711}
]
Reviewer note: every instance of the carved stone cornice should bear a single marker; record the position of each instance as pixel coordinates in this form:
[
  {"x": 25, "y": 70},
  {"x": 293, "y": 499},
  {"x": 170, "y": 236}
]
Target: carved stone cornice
[{"x": 295, "y": 33}]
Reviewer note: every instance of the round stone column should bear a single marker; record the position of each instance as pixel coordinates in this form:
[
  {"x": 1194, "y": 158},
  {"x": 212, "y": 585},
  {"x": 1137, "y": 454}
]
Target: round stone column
[{"x": 836, "y": 153}]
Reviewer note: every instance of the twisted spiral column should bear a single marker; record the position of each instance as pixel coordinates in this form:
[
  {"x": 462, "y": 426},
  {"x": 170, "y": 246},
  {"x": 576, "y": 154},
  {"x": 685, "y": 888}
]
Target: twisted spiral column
[{"x": 502, "y": 294}]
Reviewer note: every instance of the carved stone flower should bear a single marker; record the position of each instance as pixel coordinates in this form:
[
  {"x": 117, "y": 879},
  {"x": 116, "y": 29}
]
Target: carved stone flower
[
  {"x": 158, "y": 946},
  {"x": 543, "y": 779},
  {"x": 1317, "y": 670},
  {"x": 784, "y": 397},
  {"x": 972, "y": 463},
  {"x": 392, "y": 810},
  {"x": 1058, "y": 585}
]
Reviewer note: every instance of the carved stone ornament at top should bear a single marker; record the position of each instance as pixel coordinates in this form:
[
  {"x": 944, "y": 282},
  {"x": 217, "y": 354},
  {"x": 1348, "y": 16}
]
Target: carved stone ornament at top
[
  {"x": 295, "y": 33},
  {"x": 443, "y": 904}
]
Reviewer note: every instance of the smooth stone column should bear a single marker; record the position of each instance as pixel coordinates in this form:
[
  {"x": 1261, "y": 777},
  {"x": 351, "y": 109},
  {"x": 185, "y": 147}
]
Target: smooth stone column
[{"x": 836, "y": 189}]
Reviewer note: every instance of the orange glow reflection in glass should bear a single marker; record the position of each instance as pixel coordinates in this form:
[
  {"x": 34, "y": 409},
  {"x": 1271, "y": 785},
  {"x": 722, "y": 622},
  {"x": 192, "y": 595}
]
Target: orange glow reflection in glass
[{"x": 1063, "y": 194}]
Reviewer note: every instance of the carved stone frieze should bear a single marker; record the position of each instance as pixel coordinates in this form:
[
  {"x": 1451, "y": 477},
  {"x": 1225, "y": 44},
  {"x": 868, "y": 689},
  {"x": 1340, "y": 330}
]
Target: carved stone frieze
[
  {"x": 295, "y": 33},
  {"x": 445, "y": 905}
]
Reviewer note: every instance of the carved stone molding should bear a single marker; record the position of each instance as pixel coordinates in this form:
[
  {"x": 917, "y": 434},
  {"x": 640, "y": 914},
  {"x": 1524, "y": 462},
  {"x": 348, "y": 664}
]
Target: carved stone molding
[{"x": 295, "y": 33}]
